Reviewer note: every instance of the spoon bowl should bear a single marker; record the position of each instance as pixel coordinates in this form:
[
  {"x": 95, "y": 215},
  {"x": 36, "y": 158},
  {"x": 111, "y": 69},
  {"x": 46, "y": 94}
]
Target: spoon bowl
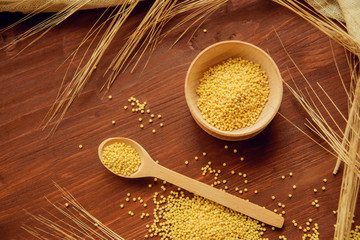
[
  {"x": 146, "y": 161},
  {"x": 149, "y": 168}
]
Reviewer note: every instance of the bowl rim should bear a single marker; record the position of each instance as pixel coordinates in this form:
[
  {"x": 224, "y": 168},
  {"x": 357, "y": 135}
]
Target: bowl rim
[{"x": 241, "y": 133}]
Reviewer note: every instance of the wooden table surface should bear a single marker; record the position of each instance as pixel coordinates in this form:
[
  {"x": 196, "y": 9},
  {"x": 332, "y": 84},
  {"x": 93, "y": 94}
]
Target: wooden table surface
[{"x": 31, "y": 161}]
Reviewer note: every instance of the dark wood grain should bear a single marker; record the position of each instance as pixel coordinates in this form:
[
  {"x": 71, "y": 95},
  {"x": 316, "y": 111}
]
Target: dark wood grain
[{"x": 29, "y": 82}]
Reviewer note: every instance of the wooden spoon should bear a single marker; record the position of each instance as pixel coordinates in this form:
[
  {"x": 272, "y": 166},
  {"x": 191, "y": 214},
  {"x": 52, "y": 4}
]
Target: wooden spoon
[{"x": 149, "y": 168}]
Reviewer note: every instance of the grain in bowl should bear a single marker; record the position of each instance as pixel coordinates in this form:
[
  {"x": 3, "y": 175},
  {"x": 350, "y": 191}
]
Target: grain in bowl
[
  {"x": 233, "y": 94},
  {"x": 257, "y": 114}
]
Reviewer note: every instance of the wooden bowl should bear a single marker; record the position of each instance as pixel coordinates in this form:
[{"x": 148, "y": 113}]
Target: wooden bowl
[{"x": 214, "y": 55}]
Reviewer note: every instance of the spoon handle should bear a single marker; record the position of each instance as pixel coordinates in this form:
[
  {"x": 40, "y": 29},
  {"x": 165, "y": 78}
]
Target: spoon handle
[{"x": 228, "y": 200}]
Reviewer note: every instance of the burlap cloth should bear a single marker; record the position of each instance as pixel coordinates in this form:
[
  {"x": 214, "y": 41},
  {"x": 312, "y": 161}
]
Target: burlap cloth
[
  {"x": 27, "y": 6},
  {"x": 347, "y": 11}
]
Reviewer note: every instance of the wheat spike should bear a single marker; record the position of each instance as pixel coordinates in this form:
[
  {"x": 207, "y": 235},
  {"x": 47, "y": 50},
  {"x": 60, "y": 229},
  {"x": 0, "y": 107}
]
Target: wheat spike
[{"x": 78, "y": 223}]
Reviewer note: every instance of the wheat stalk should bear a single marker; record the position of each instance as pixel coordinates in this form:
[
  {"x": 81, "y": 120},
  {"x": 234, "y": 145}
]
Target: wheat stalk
[
  {"x": 148, "y": 32},
  {"x": 346, "y": 144},
  {"x": 144, "y": 38},
  {"x": 78, "y": 223},
  {"x": 82, "y": 75},
  {"x": 347, "y": 150},
  {"x": 350, "y": 184},
  {"x": 151, "y": 27},
  {"x": 46, "y": 25},
  {"x": 332, "y": 28}
]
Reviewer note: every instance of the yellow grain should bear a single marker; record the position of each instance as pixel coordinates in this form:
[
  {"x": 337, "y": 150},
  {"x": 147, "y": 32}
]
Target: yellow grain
[
  {"x": 233, "y": 94},
  {"x": 121, "y": 159}
]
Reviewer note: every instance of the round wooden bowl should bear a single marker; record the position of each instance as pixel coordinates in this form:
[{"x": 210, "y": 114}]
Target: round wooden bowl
[{"x": 214, "y": 55}]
